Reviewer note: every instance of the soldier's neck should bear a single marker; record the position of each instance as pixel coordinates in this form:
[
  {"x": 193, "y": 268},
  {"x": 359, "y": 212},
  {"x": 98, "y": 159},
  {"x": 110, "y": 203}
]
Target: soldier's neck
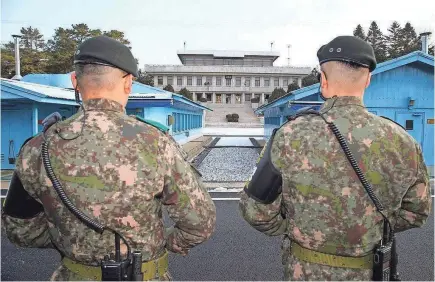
[{"x": 108, "y": 96}]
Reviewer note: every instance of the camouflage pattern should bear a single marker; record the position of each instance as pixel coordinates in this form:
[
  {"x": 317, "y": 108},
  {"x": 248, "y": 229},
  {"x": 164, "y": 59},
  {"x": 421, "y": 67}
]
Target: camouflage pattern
[
  {"x": 323, "y": 205},
  {"x": 121, "y": 172}
]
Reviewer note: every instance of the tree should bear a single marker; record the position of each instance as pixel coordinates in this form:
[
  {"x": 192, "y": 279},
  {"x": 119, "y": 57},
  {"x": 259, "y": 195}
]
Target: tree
[
  {"x": 169, "y": 88},
  {"x": 410, "y": 42},
  {"x": 186, "y": 93},
  {"x": 431, "y": 50},
  {"x": 311, "y": 78},
  {"x": 65, "y": 41},
  {"x": 32, "y": 57},
  {"x": 394, "y": 44},
  {"x": 378, "y": 42},
  {"x": 292, "y": 87},
  {"x": 145, "y": 78},
  {"x": 276, "y": 94},
  {"x": 359, "y": 32}
]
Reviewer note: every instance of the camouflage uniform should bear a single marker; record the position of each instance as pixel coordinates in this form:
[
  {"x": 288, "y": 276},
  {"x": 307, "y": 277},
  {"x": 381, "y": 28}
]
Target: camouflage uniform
[
  {"x": 120, "y": 172},
  {"x": 323, "y": 205}
]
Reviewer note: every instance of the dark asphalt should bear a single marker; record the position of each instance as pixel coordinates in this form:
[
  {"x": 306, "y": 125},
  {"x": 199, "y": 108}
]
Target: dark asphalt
[{"x": 235, "y": 252}]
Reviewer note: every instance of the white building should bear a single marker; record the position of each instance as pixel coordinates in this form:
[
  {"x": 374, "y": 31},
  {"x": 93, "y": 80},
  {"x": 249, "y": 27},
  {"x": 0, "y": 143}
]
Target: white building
[{"x": 231, "y": 77}]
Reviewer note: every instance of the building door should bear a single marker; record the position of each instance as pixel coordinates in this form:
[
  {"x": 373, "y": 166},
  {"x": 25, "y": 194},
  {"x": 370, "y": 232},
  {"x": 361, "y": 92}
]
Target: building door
[
  {"x": 413, "y": 123},
  {"x": 228, "y": 99},
  {"x": 16, "y": 128}
]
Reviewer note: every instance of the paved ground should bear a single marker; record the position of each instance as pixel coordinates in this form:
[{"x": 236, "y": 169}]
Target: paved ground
[{"x": 235, "y": 252}]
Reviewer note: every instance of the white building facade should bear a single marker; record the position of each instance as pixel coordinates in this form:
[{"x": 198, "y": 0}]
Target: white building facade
[{"x": 227, "y": 77}]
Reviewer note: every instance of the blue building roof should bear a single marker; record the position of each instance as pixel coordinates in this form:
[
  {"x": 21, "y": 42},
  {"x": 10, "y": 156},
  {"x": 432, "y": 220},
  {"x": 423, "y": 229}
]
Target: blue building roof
[
  {"x": 139, "y": 91},
  {"x": 414, "y": 57}
]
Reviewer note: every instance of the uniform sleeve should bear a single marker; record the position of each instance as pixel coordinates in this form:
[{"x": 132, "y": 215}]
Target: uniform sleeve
[
  {"x": 188, "y": 203},
  {"x": 30, "y": 232},
  {"x": 266, "y": 218},
  {"x": 416, "y": 204}
]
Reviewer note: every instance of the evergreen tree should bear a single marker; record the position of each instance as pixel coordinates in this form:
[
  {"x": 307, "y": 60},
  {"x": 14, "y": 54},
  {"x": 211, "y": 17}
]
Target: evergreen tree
[
  {"x": 292, "y": 87},
  {"x": 410, "y": 42},
  {"x": 276, "y": 94},
  {"x": 359, "y": 32},
  {"x": 311, "y": 78},
  {"x": 378, "y": 42},
  {"x": 394, "y": 44},
  {"x": 186, "y": 93},
  {"x": 169, "y": 88}
]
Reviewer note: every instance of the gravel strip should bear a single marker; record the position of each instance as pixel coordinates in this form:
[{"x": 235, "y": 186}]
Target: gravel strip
[
  {"x": 198, "y": 159},
  {"x": 228, "y": 164}
]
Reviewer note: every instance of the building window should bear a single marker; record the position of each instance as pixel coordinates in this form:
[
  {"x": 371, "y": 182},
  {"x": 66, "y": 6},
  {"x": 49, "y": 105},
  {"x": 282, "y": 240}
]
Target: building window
[
  {"x": 170, "y": 80},
  {"x": 160, "y": 80},
  {"x": 248, "y": 97},
  {"x": 189, "y": 80},
  {"x": 266, "y": 82},
  {"x": 409, "y": 125},
  {"x": 228, "y": 81},
  {"x": 248, "y": 82},
  {"x": 179, "y": 80},
  {"x": 276, "y": 82},
  {"x": 218, "y": 98},
  {"x": 238, "y": 99},
  {"x": 218, "y": 81},
  {"x": 198, "y": 96},
  {"x": 285, "y": 82},
  {"x": 238, "y": 81},
  {"x": 199, "y": 81},
  {"x": 257, "y": 82},
  {"x": 208, "y": 80}
]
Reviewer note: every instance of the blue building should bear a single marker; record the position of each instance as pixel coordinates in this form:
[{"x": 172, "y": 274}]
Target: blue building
[
  {"x": 25, "y": 104},
  {"x": 401, "y": 89}
]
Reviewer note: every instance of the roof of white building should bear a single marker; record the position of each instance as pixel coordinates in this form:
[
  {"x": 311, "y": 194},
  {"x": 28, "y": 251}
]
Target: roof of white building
[{"x": 229, "y": 53}]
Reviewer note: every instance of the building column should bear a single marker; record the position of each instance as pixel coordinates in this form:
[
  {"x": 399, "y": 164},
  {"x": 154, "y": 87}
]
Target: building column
[
  {"x": 156, "y": 81},
  {"x": 213, "y": 97},
  {"x": 35, "y": 117},
  {"x": 243, "y": 97},
  {"x": 194, "y": 96},
  {"x": 224, "y": 98},
  {"x": 300, "y": 82},
  {"x": 203, "y": 95},
  {"x": 252, "y": 96},
  {"x": 262, "y": 98}
]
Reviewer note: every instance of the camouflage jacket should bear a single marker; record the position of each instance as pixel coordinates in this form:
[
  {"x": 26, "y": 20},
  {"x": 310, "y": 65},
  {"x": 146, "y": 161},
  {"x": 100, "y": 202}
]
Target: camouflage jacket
[
  {"x": 323, "y": 205},
  {"x": 120, "y": 172}
]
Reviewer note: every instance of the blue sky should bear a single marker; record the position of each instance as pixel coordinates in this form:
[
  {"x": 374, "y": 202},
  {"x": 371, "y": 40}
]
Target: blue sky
[{"x": 157, "y": 29}]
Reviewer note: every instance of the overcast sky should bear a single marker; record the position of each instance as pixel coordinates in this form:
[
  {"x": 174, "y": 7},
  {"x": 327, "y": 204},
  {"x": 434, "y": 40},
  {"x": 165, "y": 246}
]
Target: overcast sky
[{"x": 158, "y": 28}]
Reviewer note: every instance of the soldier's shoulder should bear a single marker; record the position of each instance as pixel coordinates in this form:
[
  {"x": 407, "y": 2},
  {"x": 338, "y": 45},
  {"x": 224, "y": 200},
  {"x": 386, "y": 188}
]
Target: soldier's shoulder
[
  {"x": 302, "y": 120},
  {"x": 397, "y": 129}
]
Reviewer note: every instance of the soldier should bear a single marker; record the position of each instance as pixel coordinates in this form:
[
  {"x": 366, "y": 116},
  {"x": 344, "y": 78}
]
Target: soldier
[
  {"x": 117, "y": 170},
  {"x": 305, "y": 188}
]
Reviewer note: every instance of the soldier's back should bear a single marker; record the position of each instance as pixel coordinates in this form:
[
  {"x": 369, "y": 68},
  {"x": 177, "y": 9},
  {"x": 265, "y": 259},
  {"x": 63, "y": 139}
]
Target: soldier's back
[
  {"x": 112, "y": 171},
  {"x": 327, "y": 207}
]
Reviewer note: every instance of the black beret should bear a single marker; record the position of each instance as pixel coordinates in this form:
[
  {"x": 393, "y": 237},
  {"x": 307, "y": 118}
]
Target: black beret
[
  {"x": 108, "y": 51},
  {"x": 348, "y": 49}
]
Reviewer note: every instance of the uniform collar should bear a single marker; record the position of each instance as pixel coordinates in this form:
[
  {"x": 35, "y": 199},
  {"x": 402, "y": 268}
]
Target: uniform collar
[
  {"x": 103, "y": 104},
  {"x": 342, "y": 101}
]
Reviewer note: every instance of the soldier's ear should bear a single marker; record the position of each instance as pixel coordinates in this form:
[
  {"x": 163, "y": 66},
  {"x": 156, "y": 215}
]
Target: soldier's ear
[
  {"x": 74, "y": 79},
  {"x": 128, "y": 83},
  {"x": 368, "y": 80}
]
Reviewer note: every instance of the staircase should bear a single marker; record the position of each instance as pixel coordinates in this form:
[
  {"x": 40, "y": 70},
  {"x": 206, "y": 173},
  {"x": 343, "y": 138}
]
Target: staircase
[{"x": 217, "y": 118}]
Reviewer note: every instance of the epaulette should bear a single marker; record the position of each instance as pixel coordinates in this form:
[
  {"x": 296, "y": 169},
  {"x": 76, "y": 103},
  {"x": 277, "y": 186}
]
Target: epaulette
[
  {"x": 153, "y": 123},
  {"x": 394, "y": 122},
  {"x": 50, "y": 120},
  {"x": 301, "y": 112}
]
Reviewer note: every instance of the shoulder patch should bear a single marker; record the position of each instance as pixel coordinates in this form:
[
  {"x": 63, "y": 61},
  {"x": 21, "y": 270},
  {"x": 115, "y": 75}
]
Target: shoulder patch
[
  {"x": 394, "y": 122},
  {"x": 155, "y": 124}
]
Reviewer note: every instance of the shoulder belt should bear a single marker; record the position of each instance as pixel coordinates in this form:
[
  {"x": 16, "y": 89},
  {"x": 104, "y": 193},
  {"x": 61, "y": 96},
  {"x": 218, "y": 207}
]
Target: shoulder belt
[
  {"x": 153, "y": 123},
  {"x": 394, "y": 122}
]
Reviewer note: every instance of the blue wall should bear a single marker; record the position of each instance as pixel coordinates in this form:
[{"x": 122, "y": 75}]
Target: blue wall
[{"x": 20, "y": 121}]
